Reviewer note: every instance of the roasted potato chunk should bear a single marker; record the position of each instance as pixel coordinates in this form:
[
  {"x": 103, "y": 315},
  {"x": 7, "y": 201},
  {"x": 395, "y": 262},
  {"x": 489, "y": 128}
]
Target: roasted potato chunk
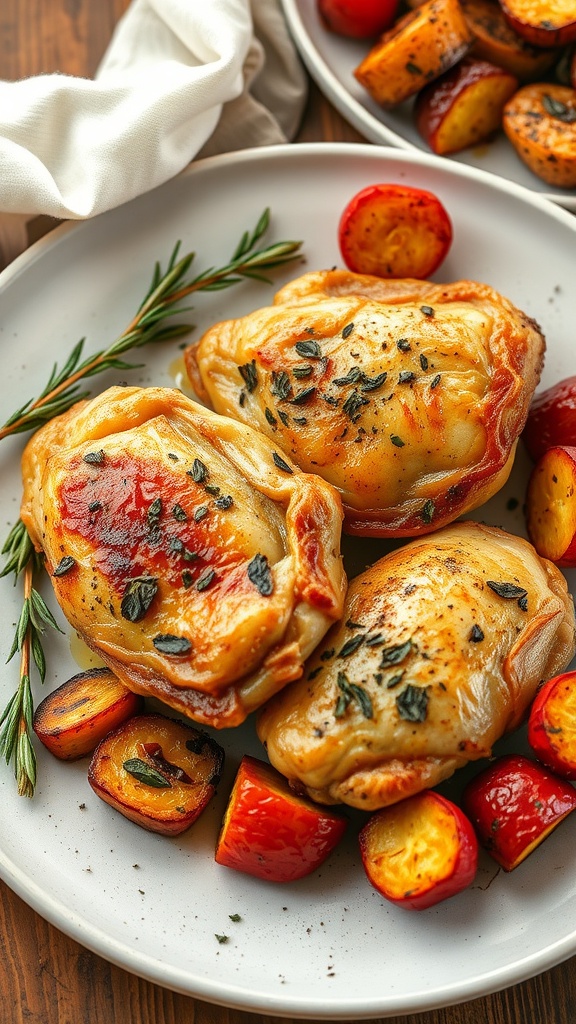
[
  {"x": 73, "y": 719},
  {"x": 159, "y": 772},
  {"x": 540, "y": 122},
  {"x": 419, "y": 47}
]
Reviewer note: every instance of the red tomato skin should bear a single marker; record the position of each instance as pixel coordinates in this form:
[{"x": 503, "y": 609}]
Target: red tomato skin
[
  {"x": 408, "y": 198},
  {"x": 543, "y": 735},
  {"x": 464, "y": 868},
  {"x": 272, "y": 833},
  {"x": 514, "y": 804},
  {"x": 357, "y": 19},
  {"x": 552, "y": 419}
]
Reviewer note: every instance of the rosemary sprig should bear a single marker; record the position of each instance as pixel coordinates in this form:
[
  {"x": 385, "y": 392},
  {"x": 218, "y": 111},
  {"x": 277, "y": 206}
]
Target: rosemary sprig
[
  {"x": 166, "y": 292},
  {"x": 16, "y": 719}
]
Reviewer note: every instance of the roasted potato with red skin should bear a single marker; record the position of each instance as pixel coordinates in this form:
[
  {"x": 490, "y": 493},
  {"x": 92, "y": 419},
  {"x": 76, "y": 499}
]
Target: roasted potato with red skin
[
  {"x": 514, "y": 804},
  {"x": 552, "y": 725},
  {"x": 551, "y": 419},
  {"x": 551, "y": 506},
  {"x": 463, "y": 106},
  {"x": 159, "y": 772},
  {"x": 419, "y": 851},
  {"x": 498, "y": 43},
  {"x": 542, "y": 22},
  {"x": 357, "y": 19},
  {"x": 420, "y": 46},
  {"x": 394, "y": 231},
  {"x": 73, "y": 719},
  {"x": 540, "y": 122},
  {"x": 271, "y": 832}
]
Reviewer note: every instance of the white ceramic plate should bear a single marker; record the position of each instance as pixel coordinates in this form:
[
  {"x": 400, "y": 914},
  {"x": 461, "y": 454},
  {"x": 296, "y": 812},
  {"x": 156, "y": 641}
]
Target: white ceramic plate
[
  {"x": 327, "y": 946},
  {"x": 331, "y": 60}
]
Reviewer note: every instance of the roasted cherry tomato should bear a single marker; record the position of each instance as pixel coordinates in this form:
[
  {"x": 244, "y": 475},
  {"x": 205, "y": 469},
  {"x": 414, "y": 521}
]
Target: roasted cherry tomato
[
  {"x": 73, "y": 719},
  {"x": 357, "y": 19},
  {"x": 271, "y": 832},
  {"x": 551, "y": 419},
  {"x": 552, "y": 724},
  {"x": 514, "y": 804},
  {"x": 551, "y": 506},
  {"x": 394, "y": 231},
  {"x": 159, "y": 772},
  {"x": 419, "y": 851}
]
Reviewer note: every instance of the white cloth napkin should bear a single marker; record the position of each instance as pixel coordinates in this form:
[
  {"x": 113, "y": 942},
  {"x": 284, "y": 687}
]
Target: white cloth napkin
[{"x": 181, "y": 78}]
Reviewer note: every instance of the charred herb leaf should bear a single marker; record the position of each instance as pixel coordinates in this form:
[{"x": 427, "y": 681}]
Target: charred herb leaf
[
  {"x": 260, "y": 575},
  {"x": 138, "y": 596},
  {"x": 249, "y": 375},
  {"x": 145, "y": 773},
  {"x": 349, "y": 692},
  {"x": 509, "y": 591},
  {"x": 64, "y": 565},
  {"x": 166, "y": 643},
  {"x": 395, "y": 654},
  {"x": 279, "y": 462},
  {"x": 412, "y": 703},
  {"x": 308, "y": 349}
]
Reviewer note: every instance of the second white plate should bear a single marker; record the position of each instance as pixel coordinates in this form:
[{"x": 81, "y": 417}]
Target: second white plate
[{"x": 331, "y": 60}]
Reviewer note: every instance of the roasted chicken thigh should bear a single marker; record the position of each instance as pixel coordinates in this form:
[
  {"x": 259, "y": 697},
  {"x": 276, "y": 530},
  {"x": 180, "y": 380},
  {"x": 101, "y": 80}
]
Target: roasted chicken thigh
[
  {"x": 440, "y": 652},
  {"x": 407, "y": 396},
  {"x": 199, "y": 563}
]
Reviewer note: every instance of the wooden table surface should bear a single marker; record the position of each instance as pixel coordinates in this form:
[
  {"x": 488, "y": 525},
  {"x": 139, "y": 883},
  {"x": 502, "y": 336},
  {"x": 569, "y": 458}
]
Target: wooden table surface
[{"x": 46, "y": 977}]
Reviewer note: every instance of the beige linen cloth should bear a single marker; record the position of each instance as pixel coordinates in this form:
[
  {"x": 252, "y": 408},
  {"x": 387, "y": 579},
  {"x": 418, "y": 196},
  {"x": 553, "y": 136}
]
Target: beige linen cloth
[{"x": 181, "y": 79}]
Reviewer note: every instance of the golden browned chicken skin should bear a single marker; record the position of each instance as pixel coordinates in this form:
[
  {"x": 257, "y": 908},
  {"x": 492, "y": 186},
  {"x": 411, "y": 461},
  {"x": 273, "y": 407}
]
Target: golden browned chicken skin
[
  {"x": 407, "y": 396},
  {"x": 197, "y": 561},
  {"x": 441, "y": 650}
]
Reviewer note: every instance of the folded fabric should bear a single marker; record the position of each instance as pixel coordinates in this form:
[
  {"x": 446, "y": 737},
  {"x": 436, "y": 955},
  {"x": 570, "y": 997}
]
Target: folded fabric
[{"x": 181, "y": 78}]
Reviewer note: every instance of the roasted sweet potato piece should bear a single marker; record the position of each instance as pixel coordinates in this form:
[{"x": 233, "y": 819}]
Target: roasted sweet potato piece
[
  {"x": 73, "y": 719},
  {"x": 271, "y": 832},
  {"x": 540, "y": 122},
  {"x": 551, "y": 418},
  {"x": 552, "y": 725},
  {"x": 514, "y": 804},
  {"x": 498, "y": 43},
  {"x": 392, "y": 230},
  {"x": 542, "y": 22},
  {"x": 420, "y": 46},
  {"x": 464, "y": 106},
  {"x": 419, "y": 851},
  {"x": 551, "y": 506},
  {"x": 159, "y": 772}
]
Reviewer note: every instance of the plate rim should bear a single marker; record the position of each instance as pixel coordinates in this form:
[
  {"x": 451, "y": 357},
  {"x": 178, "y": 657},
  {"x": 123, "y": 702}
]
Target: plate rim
[
  {"x": 140, "y": 964},
  {"x": 355, "y": 113}
]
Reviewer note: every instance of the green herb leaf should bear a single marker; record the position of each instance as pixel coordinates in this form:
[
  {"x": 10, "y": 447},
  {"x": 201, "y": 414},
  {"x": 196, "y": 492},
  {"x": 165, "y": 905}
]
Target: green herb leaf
[
  {"x": 144, "y": 772},
  {"x": 166, "y": 643},
  {"x": 260, "y": 575},
  {"x": 138, "y": 596}
]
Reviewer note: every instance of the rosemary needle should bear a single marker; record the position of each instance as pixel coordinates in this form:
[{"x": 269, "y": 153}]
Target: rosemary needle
[{"x": 150, "y": 324}]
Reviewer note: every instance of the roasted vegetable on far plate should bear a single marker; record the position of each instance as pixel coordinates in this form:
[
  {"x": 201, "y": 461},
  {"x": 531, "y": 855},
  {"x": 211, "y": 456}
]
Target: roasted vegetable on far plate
[
  {"x": 463, "y": 106},
  {"x": 540, "y": 122},
  {"x": 420, "y": 46}
]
